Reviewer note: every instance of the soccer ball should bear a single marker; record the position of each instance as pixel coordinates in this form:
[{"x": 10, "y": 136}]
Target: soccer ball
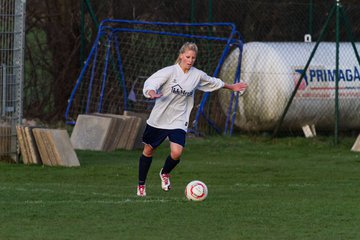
[{"x": 196, "y": 191}]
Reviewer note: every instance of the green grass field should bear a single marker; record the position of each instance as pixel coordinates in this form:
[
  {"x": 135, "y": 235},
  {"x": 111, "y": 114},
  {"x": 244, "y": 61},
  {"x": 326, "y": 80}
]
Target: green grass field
[{"x": 288, "y": 188}]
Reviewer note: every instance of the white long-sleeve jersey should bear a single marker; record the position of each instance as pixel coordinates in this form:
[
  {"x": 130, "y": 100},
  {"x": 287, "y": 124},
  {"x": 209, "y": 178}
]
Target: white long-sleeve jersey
[{"x": 172, "y": 110}]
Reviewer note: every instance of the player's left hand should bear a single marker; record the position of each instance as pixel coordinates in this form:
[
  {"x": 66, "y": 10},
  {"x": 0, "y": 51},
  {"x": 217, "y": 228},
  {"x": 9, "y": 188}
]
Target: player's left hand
[{"x": 239, "y": 87}]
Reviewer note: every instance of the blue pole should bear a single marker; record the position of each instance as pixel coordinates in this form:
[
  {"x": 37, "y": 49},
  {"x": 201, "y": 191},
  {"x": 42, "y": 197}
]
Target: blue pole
[
  {"x": 122, "y": 75},
  {"x": 108, "y": 43}
]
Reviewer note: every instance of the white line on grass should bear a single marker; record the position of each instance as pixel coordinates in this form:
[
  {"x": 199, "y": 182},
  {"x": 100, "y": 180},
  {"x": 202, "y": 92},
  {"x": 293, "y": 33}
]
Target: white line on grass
[
  {"x": 268, "y": 185},
  {"x": 82, "y": 202},
  {"x": 132, "y": 199},
  {"x": 21, "y": 189}
]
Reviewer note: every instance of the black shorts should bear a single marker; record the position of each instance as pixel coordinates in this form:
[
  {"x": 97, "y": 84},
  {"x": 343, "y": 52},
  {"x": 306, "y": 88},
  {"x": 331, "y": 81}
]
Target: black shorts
[{"x": 155, "y": 136}]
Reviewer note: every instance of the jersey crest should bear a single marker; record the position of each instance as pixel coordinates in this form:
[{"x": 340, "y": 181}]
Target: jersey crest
[{"x": 177, "y": 89}]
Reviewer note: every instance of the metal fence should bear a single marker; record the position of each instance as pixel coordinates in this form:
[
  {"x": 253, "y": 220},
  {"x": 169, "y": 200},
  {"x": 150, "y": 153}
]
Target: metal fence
[
  {"x": 12, "y": 19},
  {"x": 277, "y": 46}
]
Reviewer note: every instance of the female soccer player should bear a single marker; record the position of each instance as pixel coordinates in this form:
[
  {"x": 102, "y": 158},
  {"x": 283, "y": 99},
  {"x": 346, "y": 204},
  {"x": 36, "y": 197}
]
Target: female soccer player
[{"x": 173, "y": 87}]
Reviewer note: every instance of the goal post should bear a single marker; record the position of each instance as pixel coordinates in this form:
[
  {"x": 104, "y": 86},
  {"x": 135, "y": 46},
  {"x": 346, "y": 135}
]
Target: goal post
[{"x": 125, "y": 53}]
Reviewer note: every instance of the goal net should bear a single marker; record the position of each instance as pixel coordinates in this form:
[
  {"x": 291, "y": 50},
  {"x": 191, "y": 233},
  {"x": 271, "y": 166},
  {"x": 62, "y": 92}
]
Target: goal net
[{"x": 125, "y": 53}]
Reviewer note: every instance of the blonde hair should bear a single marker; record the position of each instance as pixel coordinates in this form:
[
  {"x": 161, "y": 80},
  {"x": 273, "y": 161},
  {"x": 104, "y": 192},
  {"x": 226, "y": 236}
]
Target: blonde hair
[{"x": 186, "y": 47}]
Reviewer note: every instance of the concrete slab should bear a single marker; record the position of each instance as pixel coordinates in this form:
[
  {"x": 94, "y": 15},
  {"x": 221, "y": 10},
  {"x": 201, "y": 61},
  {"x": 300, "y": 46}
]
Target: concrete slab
[
  {"x": 90, "y": 132},
  {"x": 22, "y": 144},
  {"x": 45, "y": 158},
  {"x": 126, "y": 132},
  {"x": 134, "y": 134},
  {"x": 308, "y": 131},
  {"x": 50, "y": 151},
  {"x": 62, "y": 148},
  {"x": 32, "y": 146},
  {"x": 144, "y": 116},
  {"x": 356, "y": 146},
  {"x": 115, "y": 130}
]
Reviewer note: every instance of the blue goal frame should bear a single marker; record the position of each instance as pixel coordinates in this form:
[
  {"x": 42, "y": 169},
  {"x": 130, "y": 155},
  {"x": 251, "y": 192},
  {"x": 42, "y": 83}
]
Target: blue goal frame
[{"x": 106, "y": 30}]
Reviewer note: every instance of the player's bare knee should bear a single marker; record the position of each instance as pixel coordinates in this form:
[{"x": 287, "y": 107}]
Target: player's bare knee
[
  {"x": 148, "y": 150},
  {"x": 176, "y": 154},
  {"x": 176, "y": 151}
]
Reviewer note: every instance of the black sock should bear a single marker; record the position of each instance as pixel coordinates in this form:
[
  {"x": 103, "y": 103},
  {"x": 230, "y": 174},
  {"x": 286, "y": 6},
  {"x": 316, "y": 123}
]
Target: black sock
[
  {"x": 169, "y": 165},
  {"x": 144, "y": 166}
]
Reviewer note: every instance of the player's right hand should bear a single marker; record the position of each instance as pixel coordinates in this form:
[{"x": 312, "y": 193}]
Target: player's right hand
[{"x": 154, "y": 95}]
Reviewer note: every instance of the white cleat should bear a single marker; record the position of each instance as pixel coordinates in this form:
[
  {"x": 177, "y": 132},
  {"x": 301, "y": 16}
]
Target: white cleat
[
  {"x": 141, "y": 191},
  {"x": 165, "y": 181}
]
